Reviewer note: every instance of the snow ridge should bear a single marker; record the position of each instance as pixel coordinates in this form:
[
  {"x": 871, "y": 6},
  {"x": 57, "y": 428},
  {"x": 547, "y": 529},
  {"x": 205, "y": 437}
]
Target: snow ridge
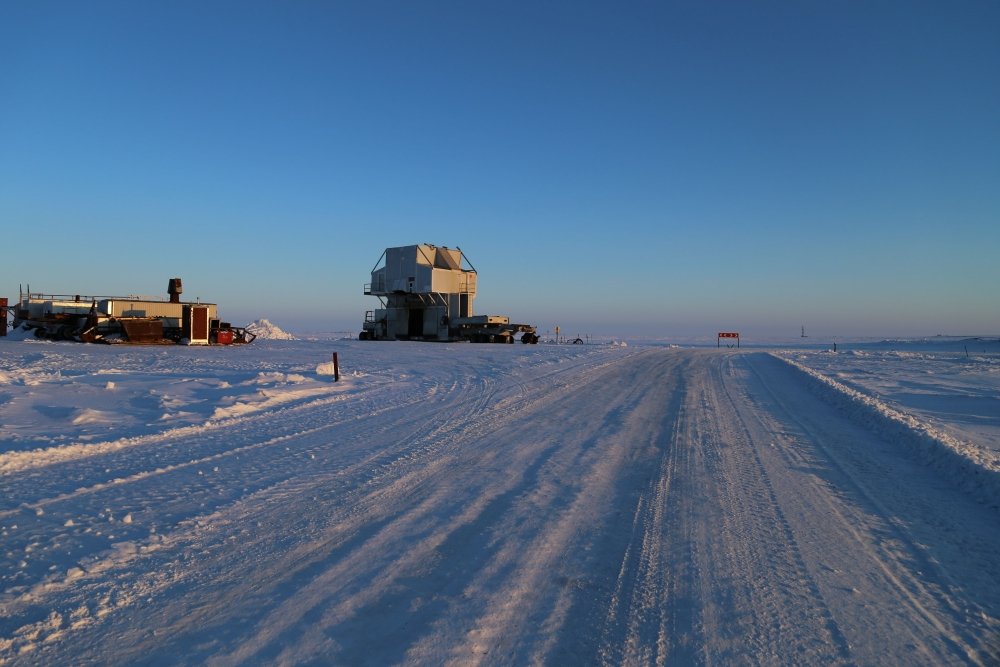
[{"x": 972, "y": 468}]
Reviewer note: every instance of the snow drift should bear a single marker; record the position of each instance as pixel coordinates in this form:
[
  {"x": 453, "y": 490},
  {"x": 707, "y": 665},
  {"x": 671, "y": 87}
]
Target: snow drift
[{"x": 971, "y": 466}]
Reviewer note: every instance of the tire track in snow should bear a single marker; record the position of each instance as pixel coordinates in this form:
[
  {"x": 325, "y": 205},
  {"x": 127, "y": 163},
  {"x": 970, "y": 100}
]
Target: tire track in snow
[
  {"x": 211, "y": 481},
  {"x": 458, "y": 515},
  {"x": 652, "y": 507},
  {"x": 711, "y": 573},
  {"x": 467, "y": 517},
  {"x": 551, "y": 585},
  {"x": 272, "y": 433},
  {"x": 270, "y": 471},
  {"x": 635, "y": 631},
  {"x": 263, "y": 434},
  {"x": 924, "y": 611},
  {"x": 368, "y": 481},
  {"x": 794, "y": 622}
]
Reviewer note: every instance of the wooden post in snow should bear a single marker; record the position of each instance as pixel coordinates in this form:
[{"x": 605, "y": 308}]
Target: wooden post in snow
[{"x": 336, "y": 368}]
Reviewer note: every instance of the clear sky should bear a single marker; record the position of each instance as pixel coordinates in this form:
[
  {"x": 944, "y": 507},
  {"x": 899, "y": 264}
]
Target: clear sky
[{"x": 647, "y": 168}]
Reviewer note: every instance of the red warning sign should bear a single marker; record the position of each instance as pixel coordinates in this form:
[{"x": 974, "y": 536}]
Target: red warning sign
[{"x": 728, "y": 334}]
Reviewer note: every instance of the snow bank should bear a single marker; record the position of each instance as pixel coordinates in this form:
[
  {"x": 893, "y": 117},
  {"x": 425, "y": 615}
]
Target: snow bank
[
  {"x": 267, "y": 330},
  {"x": 973, "y": 468},
  {"x": 21, "y": 333}
]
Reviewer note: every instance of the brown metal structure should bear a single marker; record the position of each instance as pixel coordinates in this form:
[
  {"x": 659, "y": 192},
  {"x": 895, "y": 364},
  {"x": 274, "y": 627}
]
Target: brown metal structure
[
  {"x": 175, "y": 290},
  {"x": 126, "y": 319},
  {"x": 144, "y": 331}
]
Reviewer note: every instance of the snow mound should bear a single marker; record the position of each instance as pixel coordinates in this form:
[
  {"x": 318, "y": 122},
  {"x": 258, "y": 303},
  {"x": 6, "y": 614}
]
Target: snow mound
[
  {"x": 267, "y": 330},
  {"x": 90, "y": 416},
  {"x": 21, "y": 333}
]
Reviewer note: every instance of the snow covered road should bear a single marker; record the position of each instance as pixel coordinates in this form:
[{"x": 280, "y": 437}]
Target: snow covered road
[{"x": 484, "y": 505}]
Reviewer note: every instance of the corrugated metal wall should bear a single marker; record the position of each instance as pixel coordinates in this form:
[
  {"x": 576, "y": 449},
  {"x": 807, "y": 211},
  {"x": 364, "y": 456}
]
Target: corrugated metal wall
[{"x": 173, "y": 312}]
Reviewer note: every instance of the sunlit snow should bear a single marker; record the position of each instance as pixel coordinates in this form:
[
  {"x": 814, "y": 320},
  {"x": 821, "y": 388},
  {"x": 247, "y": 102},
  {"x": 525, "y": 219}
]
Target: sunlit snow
[{"x": 499, "y": 504}]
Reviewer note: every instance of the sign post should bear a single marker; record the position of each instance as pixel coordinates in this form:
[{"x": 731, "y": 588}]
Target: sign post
[{"x": 727, "y": 334}]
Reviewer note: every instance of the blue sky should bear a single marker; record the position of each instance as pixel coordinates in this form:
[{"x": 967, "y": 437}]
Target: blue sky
[{"x": 647, "y": 169}]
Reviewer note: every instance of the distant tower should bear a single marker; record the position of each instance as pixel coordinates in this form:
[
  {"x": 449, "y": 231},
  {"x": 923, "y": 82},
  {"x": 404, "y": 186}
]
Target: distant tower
[{"x": 804, "y": 332}]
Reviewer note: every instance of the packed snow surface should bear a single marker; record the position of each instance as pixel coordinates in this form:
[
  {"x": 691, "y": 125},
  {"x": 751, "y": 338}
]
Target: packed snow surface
[{"x": 497, "y": 504}]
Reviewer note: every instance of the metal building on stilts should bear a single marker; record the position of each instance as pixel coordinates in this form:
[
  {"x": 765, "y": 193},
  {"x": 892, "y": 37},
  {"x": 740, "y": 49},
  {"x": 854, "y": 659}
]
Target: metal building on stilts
[{"x": 427, "y": 292}]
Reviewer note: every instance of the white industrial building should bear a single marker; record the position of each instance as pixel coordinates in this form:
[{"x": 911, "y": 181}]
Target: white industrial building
[{"x": 427, "y": 293}]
